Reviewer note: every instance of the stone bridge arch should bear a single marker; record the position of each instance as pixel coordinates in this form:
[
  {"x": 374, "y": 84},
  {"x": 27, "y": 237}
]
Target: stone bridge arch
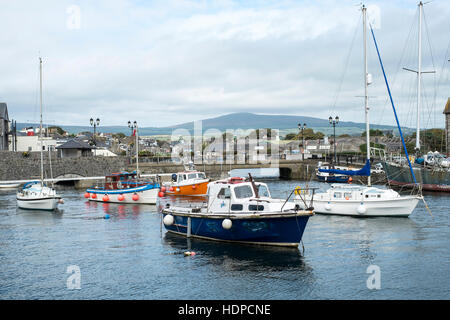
[{"x": 68, "y": 178}]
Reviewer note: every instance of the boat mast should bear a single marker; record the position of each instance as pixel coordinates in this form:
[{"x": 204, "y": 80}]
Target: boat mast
[
  {"x": 137, "y": 150},
  {"x": 419, "y": 72},
  {"x": 40, "y": 126},
  {"x": 366, "y": 97}
]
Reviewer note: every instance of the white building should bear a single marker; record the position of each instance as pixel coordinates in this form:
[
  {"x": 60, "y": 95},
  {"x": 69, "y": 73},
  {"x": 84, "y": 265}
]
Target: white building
[{"x": 32, "y": 143}]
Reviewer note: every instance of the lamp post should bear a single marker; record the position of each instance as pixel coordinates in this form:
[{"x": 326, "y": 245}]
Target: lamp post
[
  {"x": 334, "y": 122},
  {"x": 134, "y": 127},
  {"x": 95, "y": 124},
  {"x": 300, "y": 127}
]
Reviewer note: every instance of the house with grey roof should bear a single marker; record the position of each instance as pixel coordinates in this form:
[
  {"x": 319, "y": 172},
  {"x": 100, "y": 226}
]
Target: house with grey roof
[{"x": 74, "y": 148}]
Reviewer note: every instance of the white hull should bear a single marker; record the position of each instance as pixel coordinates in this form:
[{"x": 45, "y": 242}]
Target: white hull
[
  {"x": 37, "y": 197},
  {"x": 38, "y": 204},
  {"x": 401, "y": 207},
  {"x": 145, "y": 197},
  {"x": 9, "y": 186}
]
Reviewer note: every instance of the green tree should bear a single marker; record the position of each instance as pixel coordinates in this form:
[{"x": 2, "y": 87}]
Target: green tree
[{"x": 373, "y": 133}]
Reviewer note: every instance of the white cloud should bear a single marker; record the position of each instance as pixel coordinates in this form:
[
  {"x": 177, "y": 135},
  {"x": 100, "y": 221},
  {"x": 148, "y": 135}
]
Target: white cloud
[{"x": 169, "y": 62}]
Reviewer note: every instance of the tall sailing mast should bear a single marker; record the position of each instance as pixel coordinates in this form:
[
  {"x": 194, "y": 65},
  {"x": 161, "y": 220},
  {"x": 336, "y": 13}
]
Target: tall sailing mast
[
  {"x": 419, "y": 77},
  {"x": 40, "y": 126},
  {"x": 366, "y": 97}
]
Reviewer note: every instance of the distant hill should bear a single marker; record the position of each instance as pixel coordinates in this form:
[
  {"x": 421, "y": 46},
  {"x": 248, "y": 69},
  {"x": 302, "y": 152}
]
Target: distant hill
[{"x": 234, "y": 121}]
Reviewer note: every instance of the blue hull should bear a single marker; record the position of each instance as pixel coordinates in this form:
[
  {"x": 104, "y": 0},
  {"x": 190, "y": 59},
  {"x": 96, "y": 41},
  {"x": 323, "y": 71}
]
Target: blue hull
[
  {"x": 281, "y": 231},
  {"x": 333, "y": 179}
]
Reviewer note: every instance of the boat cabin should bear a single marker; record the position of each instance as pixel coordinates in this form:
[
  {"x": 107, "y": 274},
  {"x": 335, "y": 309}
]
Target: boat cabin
[
  {"x": 238, "y": 195},
  {"x": 122, "y": 180},
  {"x": 356, "y": 193},
  {"x": 188, "y": 176}
]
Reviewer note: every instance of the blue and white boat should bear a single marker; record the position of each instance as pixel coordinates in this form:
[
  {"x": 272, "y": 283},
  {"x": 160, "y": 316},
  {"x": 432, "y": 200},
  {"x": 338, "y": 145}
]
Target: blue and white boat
[
  {"x": 324, "y": 176},
  {"x": 241, "y": 211},
  {"x": 125, "y": 187}
]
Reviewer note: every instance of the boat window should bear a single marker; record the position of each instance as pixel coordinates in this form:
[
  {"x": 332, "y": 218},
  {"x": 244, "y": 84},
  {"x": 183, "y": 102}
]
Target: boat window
[
  {"x": 224, "y": 193},
  {"x": 237, "y": 207},
  {"x": 347, "y": 195},
  {"x": 201, "y": 176},
  {"x": 263, "y": 191},
  {"x": 338, "y": 195},
  {"x": 243, "y": 192},
  {"x": 254, "y": 207},
  {"x": 192, "y": 176}
]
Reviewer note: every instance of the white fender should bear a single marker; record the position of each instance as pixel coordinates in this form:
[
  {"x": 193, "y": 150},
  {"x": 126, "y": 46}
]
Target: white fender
[
  {"x": 168, "y": 220},
  {"x": 227, "y": 224}
]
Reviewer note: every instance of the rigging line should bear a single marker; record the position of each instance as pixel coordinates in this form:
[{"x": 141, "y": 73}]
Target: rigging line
[
  {"x": 432, "y": 62},
  {"x": 399, "y": 64},
  {"x": 443, "y": 68},
  {"x": 346, "y": 65},
  {"x": 392, "y": 102}
]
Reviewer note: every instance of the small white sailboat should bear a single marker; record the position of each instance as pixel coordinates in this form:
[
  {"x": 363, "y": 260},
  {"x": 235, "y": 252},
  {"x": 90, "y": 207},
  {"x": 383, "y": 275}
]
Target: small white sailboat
[
  {"x": 35, "y": 195},
  {"x": 363, "y": 201},
  {"x": 8, "y": 186}
]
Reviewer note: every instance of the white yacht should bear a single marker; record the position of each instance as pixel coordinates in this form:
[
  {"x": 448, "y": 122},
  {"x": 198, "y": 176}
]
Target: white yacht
[
  {"x": 359, "y": 200},
  {"x": 364, "y": 201},
  {"x": 35, "y": 194}
]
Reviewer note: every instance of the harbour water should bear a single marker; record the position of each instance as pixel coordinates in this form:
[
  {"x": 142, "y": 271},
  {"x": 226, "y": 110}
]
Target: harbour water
[{"x": 130, "y": 255}]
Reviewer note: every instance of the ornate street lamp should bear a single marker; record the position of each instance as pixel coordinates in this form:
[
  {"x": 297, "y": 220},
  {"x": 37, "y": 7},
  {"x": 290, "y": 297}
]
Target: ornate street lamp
[
  {"x": 300, "y": 127},
  {"x": 94, "y": 124},
  {"x": 334, "y": 122},
  {"x": 134, "y": 129}
]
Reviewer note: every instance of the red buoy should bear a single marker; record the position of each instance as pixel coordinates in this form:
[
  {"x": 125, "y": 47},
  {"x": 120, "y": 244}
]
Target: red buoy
[
  {"x": 121, "y": 197},
  {"x": 94, "y": 196},
  {"x": 87, "y": 195},
  {"x": 135, "y": 197},
  {"x": 105, "y": 198},
  {"x": 163, "y": 189},
  {"x": 171, "y": 189},
  {"x": 161, "y": 194}
]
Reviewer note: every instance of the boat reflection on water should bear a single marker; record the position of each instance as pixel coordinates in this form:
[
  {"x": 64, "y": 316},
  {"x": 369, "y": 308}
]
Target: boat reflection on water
[
  {"x": 234, "y": 256},
  {"x": 121, "y": 210}
]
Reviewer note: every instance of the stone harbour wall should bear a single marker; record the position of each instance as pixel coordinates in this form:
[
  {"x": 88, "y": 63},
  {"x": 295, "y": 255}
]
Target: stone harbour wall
[{"x": 18, "y": 166}]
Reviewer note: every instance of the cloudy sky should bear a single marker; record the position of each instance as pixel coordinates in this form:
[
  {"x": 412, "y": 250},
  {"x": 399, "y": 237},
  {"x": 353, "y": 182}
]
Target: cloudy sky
[{"x": 167, "y": 62}]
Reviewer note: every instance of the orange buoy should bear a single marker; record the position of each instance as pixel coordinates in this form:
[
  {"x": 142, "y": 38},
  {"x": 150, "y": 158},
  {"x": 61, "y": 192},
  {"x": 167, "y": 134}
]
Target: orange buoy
[
  {"x": 161, "y": 194},
  {"x": 121, "y": 197},
  {"x": 350, "y": 180},
  {"x": 135, "y": 197},
  {"x": 105, "y": 198},
  {"x": 171, "y": 189},
  {"x": 94, "y": 196},
  {"x": 87, "y": 195}
]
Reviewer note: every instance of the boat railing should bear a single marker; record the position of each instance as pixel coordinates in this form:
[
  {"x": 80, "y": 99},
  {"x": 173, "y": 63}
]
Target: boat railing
[
  {"x": 125, "y": 184},
  {"x": 305, "y": 195}
]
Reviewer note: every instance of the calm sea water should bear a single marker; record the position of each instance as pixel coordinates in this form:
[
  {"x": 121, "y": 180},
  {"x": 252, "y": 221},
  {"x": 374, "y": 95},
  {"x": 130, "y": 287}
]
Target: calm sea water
[{"x": 130, "y": 256}]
